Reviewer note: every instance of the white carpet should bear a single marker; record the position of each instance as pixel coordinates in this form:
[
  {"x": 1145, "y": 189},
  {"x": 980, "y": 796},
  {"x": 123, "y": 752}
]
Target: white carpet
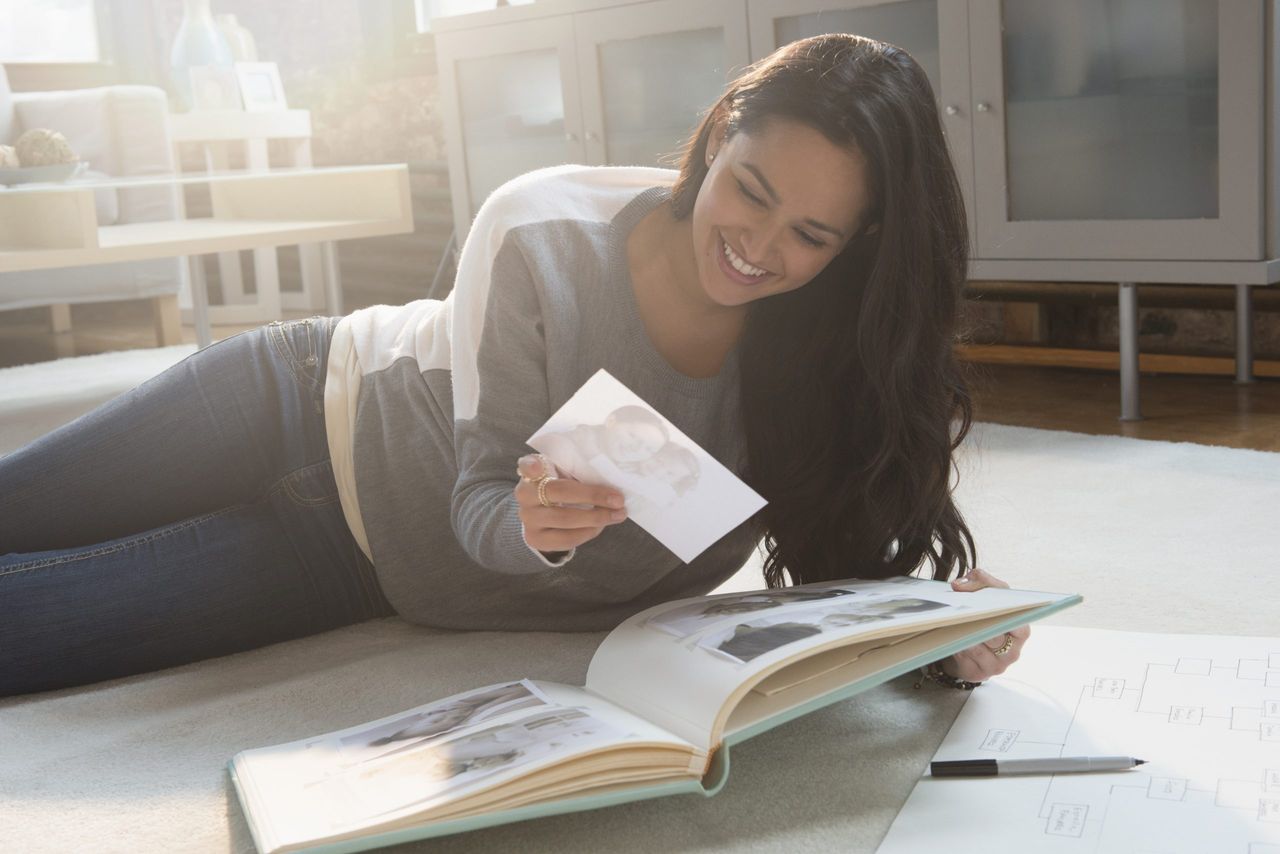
[
  {"x": 1157, "y": 536},
  {"x": 34, "y": 399}
]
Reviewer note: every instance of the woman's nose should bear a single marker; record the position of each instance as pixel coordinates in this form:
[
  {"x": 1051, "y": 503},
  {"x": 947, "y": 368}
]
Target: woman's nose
[{"x": 757, "y": 243}]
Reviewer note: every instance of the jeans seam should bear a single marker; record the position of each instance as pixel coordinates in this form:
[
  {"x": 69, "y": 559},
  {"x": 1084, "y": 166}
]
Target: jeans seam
[
  {"x": 282, "y": 347},
  {"x": 298, "y": 499},
  {"x": 149, "y": 537}
]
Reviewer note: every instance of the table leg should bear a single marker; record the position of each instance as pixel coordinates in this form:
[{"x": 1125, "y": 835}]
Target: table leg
[
  {"x": 229, "y": 275},
  {"x": 310, "y": 255},
  {"x": 1244, "y": 335},
  {"x": 266, "y": 270},
  {"x": 168, "y": 319},
  {"x": 332, "y": 278},
  {"x": 200, "y": 302},
  {"x": 1130, "y": 410}
]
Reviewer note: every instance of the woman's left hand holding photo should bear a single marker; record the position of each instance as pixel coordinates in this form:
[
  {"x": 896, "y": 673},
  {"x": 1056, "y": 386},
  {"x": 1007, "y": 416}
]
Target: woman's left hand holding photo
[{"x": 560, "y": 513}]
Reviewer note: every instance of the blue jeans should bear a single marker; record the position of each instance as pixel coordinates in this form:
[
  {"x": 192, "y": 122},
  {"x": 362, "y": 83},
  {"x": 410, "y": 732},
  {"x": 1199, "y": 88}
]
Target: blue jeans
[{"x": 192, "y": 517}]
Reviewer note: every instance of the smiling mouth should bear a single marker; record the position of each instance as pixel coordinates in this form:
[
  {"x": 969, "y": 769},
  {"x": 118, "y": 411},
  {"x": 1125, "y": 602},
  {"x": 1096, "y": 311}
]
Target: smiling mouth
[{"x": 737, "y": 267}]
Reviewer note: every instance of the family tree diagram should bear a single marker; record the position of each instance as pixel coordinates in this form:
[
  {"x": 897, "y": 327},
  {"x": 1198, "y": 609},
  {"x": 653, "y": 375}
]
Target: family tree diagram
[{"x": 1203, "y": 712}]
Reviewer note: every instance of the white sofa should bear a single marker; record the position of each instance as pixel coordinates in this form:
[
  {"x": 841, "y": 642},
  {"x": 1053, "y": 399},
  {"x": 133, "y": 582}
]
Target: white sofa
[{"x": 121, "y": 131}]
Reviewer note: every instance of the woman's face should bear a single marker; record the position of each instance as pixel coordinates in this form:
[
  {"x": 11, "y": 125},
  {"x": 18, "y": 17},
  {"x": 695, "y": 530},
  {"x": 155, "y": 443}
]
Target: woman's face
[{"x": 783, "y": 201}]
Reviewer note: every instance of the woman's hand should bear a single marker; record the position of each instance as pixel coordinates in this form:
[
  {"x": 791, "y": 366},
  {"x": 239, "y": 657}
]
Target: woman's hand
[
  {"x": 578, "y": 511},
  {"x": 979, "y": 663}
]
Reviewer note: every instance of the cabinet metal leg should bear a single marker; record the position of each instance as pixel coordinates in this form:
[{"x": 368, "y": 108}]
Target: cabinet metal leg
[
  {"x": 1130, "y": 410},
  {"x": 1244, "y": 335}
]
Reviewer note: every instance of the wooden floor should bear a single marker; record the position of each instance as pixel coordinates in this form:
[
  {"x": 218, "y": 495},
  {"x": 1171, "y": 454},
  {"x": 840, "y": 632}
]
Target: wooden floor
[{"x": 1209, "y": 410}]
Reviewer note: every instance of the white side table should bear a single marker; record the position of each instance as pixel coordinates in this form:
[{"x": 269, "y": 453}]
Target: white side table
[{"x": 216, "y": 131}]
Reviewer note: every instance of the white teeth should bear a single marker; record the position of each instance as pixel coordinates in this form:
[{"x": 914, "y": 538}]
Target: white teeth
[{"x": 741, "y": 266}]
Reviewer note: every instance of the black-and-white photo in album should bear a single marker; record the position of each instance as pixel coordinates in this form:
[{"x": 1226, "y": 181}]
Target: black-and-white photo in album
[
  {"x": 698, "y": 616},
  {"x": 434, "y": 721},
  {"x": 747, "y": 640},
  {"x": 431, "y": 770}
]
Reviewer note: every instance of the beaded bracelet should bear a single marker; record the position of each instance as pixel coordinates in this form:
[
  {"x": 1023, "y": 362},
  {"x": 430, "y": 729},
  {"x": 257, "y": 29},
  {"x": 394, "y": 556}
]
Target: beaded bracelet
[{"x": 934, "y": 673}]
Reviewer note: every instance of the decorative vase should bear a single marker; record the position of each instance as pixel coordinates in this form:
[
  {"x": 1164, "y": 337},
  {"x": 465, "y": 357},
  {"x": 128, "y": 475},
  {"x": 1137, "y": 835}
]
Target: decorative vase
[
  {"x": 239, "y": 39},
  {"x": 198, "y": 42}
]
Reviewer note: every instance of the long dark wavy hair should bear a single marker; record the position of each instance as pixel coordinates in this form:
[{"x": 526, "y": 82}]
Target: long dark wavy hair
[{"x": 853, "y": 399}]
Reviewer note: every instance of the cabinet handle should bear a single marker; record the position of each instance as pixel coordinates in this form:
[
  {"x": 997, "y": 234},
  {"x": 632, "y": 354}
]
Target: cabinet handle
[
  {"x": 953, "y": 110},
  {"x": 984, "y": 107},
  {"x": 571, "y": 137},
  {"x": 592, "y": 136}
]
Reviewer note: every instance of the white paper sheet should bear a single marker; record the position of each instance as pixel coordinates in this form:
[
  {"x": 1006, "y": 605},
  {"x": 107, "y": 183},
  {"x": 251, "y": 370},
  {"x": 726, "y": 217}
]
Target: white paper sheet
[
  {"x": 683, "y": 496},
  {"x": 1204, "y": 711}
]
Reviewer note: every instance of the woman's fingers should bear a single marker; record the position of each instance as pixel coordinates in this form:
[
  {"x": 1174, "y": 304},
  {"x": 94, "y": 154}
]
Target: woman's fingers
[
  {"x": 534, "y": 466},
  {"x": 574, "y": 512},
  {"x": 979, "y": 663},
  {"x": 976, "y": 579}
]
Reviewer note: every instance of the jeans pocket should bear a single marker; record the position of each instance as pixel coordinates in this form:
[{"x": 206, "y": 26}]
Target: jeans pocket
[{"x": 310, "y": 486}]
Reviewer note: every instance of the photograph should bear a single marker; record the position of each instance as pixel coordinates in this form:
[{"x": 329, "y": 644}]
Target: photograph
[
  {"x": 260, "y": 86},
  {"x": 438, "y": 719},
  {"x": 699, "y": 616},
  {"x": 746, "y": 641},
  {"x": 430, "y": 771},
  {"x": 675, "y": 490}
]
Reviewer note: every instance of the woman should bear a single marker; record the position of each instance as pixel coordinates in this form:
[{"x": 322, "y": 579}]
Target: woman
[{"x": 788, "y": 300}]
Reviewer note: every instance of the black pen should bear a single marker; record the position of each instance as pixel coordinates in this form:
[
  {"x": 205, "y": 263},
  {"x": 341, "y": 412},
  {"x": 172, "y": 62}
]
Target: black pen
[{"x": 1052, "y": 765}]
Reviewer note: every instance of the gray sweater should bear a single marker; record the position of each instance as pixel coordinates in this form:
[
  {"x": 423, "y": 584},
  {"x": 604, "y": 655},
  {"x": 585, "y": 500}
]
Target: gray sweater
[{"x": 428, "y": 407}]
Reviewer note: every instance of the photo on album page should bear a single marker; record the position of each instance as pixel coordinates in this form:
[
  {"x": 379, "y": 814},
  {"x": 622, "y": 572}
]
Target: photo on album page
[
  {"x": 748, "y": 639},
  {"x": 702, "y": 614},
  {"x": 605, "y": 434},
  {"x": 431, "y": 722}
]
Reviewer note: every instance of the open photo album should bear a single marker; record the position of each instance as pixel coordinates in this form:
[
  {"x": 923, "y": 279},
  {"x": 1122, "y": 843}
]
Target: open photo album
[{"x": 667, "y": 692}]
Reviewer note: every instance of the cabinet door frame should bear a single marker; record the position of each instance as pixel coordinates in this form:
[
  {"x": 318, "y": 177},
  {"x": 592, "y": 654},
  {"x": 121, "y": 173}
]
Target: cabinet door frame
[
  {"x": 555, "y": 33},
  {"x": 1237, "y": 233},
  {"x": 654, "y": 18},
  {"x": 952, "y": 90}
]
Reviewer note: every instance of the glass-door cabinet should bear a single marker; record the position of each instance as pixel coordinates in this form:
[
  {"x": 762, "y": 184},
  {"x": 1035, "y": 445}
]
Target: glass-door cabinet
[
  {"x": 1094, "y": 129},
  {"x": 580, "y": 81},
  {"x": 1118, "y": 129},
  {"x": 649, "y": 71},
  {"x": 509, "y": 93}
]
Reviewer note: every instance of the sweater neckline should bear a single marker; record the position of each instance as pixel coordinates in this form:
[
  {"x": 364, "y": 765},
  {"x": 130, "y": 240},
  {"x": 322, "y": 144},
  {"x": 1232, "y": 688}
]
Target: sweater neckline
[{"x": 638, "y": 340}]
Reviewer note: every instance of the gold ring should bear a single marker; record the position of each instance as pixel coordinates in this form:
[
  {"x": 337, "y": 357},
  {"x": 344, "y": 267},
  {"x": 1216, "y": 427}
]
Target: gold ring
[
  {"x": 1004, "y": 647},
  {"x": 542, "y": 490}
]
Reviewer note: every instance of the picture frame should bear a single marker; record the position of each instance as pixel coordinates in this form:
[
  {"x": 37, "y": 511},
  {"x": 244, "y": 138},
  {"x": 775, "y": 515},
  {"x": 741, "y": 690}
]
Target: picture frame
[
  {"x": 260, "y": 87},
  {"x": 214, "y": 87}
]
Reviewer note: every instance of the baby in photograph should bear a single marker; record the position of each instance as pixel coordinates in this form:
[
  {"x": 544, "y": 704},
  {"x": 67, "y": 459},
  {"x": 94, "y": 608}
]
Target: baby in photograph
[{"x": 630, "y": 451}]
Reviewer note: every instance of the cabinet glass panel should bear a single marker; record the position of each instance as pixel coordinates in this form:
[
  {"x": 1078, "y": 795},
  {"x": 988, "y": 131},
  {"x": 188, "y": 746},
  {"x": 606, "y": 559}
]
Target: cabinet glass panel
[
  {"x": 911, "y": 25},
  {"x": 512, "y": 117},
  {"x": 654, "y": 90},
  {"x": 1111, "y": 109}
]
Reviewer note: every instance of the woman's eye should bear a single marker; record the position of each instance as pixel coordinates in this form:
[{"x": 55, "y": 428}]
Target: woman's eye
[
  {"x": 750, "y": 195},
  {"x": 809, "y": 239}
]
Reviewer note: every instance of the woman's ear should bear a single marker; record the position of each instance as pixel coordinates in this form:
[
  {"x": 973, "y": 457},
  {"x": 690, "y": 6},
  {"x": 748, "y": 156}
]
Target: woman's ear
[{"x": 871, "y": 229}]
